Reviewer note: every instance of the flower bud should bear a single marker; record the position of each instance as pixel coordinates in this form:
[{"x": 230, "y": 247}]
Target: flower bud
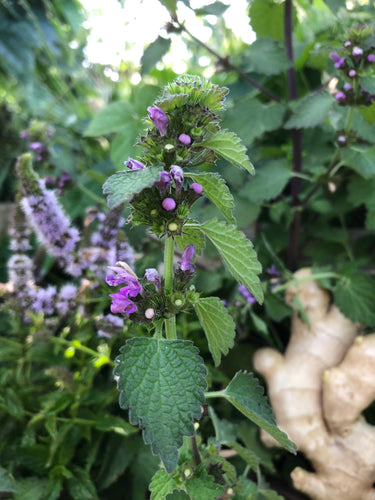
[
  {"x": 340, "y": 96},
  {"x": 185, "y": 139},
  {"x": 134, "y": 164},
  {"x": 169, "y": 204},
  {"x": 352, "y": 73},
  {"x": 197, "y": 188},
  {"x": 172, "y": 227},
  {"x": 159, "y": 118},
  {"x": 357, "y": 52},
  {"x": 149, "y": 313},
  {"x": 371, "y": 58}
]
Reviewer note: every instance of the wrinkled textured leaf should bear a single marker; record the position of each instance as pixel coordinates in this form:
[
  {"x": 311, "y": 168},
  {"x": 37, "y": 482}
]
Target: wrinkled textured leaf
[
  {"x": 266, "y": 18},
  {"x": 218, "y": 326},
  {"x": 245, "y": 393},
  {"x": 228, "y": 146},
  {"x": 354, "y": 295},
  {"x": 110, "y": 119},
  {"x": 238, "y": 254},
  {"x": 202, "y": 486},
  {"x": 267, "y": 56},
  {"x": 191, "y": 236},
  {"x": 162, "y": 484},
  {"x": 122, "y": 186},
  {"x": 269, "y": 181},
  {"x": 217, "y": 191},
  {"x": 153, "y": 53},
  {"x": 311, "y": 110},
  {"x": 162, "y": 384},
  {"x": 361, "y": 159}
]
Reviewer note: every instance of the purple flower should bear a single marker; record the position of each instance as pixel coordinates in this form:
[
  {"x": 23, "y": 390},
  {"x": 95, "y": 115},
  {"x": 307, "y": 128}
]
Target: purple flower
[
  {"x": 38, "y": 147},
  {"x": 153, "y": 276},
  {"x": 134, "y": 164},
  {"x": 124, "y": 251},
  {"x": 169, "y": 204},
  {"x": 371, "y": 58},
  {"x": 121, "y": 277},
  {"x": 339, "y": 61},
  {"x": 347, "y": 43},
  {"x": 357, "y": 52},
  {"x": 340, "y": 96},
  {"x": 24, "y": 135},
  {"x": 20, "y": 270},
  {"x": 272, "y": 271},
  {"x": 352, "y": 73},
  {"x": 109, "y": 228},
  {"x": 159, "y": 118},
  {"x": 66, "y": 298},
  {"x": 164, "y": 180},
  {"x": 347, "y": 87},
  {"x": 185, "y": 139},
  {"x": 248, "y": 296},
  {"x": 109, "y": 325},
  {"x": 197, "y": 188},
  {"x": 121, "y": 303},
  {"x": 44, "y": 300},
  {"x": 178, "y": 176},
  {"x": 187, "y": 256},
  {"x": 341, "y": 139}
]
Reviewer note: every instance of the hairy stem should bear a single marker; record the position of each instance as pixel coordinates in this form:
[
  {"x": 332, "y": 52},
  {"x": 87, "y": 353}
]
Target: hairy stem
[{"x": 170, "y": 323}]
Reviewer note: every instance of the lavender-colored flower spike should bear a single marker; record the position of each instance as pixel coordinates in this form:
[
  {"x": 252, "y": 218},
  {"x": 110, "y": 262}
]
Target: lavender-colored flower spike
[
  {"x": 66, "y": 298},
  {"x": 109, "y": 325},
  {"x": 185, "y": 139},
  {"x": 134, "y": 164},
  {"x": 20, "y": 271},
  {"x": 159, "y": 118},
  {"x": 108, "y": 229},
  {"x": 248, "y": 296},
  {"x": 178, "y": 176},
  {"x": 187, "y": 256},
  {"x": 45, "y": 214},
  {"x": 44, "y": 300}
]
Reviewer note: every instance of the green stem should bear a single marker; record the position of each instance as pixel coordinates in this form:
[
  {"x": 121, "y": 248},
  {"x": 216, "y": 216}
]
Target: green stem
[
  {"x": 170, "y": 323},
  {"x": 214, "y": 394},
  {"x": 349, "y": 119},
  {"x": 316, "y": 276},
  {"x": 79, "y": 347}
]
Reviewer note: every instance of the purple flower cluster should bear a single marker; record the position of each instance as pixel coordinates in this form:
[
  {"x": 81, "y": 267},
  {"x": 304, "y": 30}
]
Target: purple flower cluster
[
  {"x": 109, "y": 227},
  {"x": 109, "y": 325},
  {"x": 121, "y": 302},
  {"x": 20, "y": 271},
  {"x": 19, "y": 231},
  {"x": 246, "y": 294},
  {"x": 65, "y": 301}
]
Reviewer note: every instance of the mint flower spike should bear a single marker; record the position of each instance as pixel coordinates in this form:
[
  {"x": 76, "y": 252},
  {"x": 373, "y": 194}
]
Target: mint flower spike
[
  {"x": 159, "y": 118},
  {"x": 187, "y": 257}
]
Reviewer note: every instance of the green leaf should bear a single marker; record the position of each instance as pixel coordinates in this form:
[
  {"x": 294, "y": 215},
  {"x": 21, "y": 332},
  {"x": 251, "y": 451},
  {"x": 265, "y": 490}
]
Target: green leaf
[
  {"x": 245, "y": 393},
  {"x": 269, "y": 181},
  {"x": 218, "y": 326},
  {"x": 7, "y": 482},
  {"x": 266, "y": 18},
  {"x": 122, "y": 186},
  {"x": 246, "y": 454},
  {"x": 238, "y": 254},
  {"x": 354, "y": 295},
  {"x": 32, "y": 488},
  {"x": 224, "y": 430},
  {"x": 361, "y": 159},
  {"x": 162, "y": 484},
  {"x": 227, "y": 145},
  {"x": 80, "y": 486},
  {"x": 154, "y": 53},
  {"x": 267, "y": 56},
  {"x": 202, "y": 486},
  {"x": 161, "y": 382},
  {"x": 191, "y": 236},
  {"x": 112, "y": 118},
  {"x": 124, "y": 145},
  {"x": 214, "y": 9},
  {"x": 217, "y": 191},
  {"x": 311, "y": 110},
  {"x": 368, "y": 83},
  {"x": 171, "y": 5}
]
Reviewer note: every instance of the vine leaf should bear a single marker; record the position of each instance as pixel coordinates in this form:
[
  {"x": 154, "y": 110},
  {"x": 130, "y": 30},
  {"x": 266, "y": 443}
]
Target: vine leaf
[
  {"x": 237, "y": 252},
  {"x": 122, "y": 186},
  {"x": 162, "y": 384},
  {"x": 229, "y": 146},
  {"x": 217, "y": 324},
  {"x": 217, "y": 191},
  {"x": 245, "y": 393}
]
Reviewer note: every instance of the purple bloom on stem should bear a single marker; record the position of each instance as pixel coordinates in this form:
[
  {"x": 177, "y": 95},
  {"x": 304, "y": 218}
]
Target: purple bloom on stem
[
  {"x": 38, "y": 147},
  {"x": 272, "y": 271},
  {"x": 153, "y": 276},
  {"x": 339, "y": 61},
  {"x": 197, "y": 188},
  {"x": 159, "y": 118},
  {"x": 122, "y": 303},
  {"x": 24, "y": 135},
  {"x": 371, "y": 58},
  {"x": 357, "y": 52},
  {"x": 347, "y": 87},
  {"x": 44, "y": 300},
  {"x": 185, "y": 139},
  {"x": 121, "y": 277},
  {"x": 341, "y": 139},
  {"x": 164, "y": 181},
  {"x": 187, "y": 256},
  {"x": 340, "y": 96},
  {"x": 352, "y": 73},
  {"x": 178, "y": 176},
  {"x": 66, "y": 298},
  {"x": 169, "y": 204},
  {"x": 248, "y": 296},
  {"x": 134, "y": 164}
]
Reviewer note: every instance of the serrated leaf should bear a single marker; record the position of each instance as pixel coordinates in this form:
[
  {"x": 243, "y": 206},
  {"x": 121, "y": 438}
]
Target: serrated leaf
[
  {"x": 246, "y": 454},
  {"x": 202, "y": 486},
  {"x": 218, "y": 326},
  {"x": 267, "y": 56},
  {"x": 227, "y": 145},
  {"x": 361, "y": 159},
  {"x": 354, "y": 295},
  {"x": 162, "y": 484},
  {"x": 153, "y": 53},
  {"x": 245, "y": 393},
  {"x": 110, "y": 119},
  {"x": 311, "y": 110},
  {"x": 122, "y": 186},
  {"x": 368, "y": 83},
  {"x": 266, "y": 18},
  {"x": 238, "y": 254},
  {"x": 161, "y": 382},
  {"x": 217, "y": 191},
  {"x": 191, "y": 236},
  {"x": 268, "y": 182}
]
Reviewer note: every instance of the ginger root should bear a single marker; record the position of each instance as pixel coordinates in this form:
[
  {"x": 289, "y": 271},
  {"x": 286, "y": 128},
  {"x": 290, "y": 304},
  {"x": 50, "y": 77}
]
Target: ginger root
[{"x": 318, "y": 390}]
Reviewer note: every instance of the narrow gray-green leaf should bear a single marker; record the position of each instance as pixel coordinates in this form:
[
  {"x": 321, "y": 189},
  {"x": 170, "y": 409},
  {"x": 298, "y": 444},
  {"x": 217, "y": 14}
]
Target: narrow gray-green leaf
[
  {"x": 227, "y": 145},
  {"x": 217, "y": 324},
  {"x": 122, "y": 186},
  {"x": 110, "y": 119},
  {"x": 217, "y": 191},
  {"x": 238, "y": 254},
  {"x": 162, "y": 383},
  {"x": 245, "y": 393},
  {"x": 311, "y": 110}
]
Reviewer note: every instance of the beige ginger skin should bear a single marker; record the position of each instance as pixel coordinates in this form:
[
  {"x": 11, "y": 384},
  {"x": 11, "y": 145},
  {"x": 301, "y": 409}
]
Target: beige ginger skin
[{"x": 318, "y": 390}]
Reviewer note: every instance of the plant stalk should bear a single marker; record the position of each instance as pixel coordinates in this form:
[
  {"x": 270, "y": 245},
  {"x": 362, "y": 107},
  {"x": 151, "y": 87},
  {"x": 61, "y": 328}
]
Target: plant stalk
[{"x": 170, "y": 323}]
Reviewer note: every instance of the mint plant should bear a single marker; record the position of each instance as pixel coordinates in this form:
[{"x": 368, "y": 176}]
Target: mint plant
[{"x": 161, "y": 377}]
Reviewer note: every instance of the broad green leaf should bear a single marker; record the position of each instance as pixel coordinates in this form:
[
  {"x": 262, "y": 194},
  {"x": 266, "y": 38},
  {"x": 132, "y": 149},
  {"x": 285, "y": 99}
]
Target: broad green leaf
[
  {"x": 269, "y": 181},
  {"x": 368, "y": 83},
  {"x": 32, "y": 488},
  {"x": 354, "y": 295},
  {"x": 110, "y": 119},
  {"x": 267, "y": 56},
  {"x": 124, "y": 145},
  {"x": 80, "y": 486},
  {"x": 266, "y": 18},
  {"x": 161, "y": 382},
  {"x": 202, "y": 486},
  {"x": 218, "y": 326},
  {"x": 217, "y": 191},
  {"x": 214, "y": 9},
  {"x": 246, "y": 454},
  {"x": 7, "y": 482},
  {"x": 191, "y": 236},
  {"x": 162, "y": 484},
  {"x": 238, "y": 254},
  {"x": 171, "y": 5},
  {"x": 227, "y": 145},
  {"x": 153, "y": 53},
  {"x": 245, "y": 393},
  {"x": 311, "y": 110},
  {"x": 122, "y": 186},
  {"x": 361, "y": 159}
]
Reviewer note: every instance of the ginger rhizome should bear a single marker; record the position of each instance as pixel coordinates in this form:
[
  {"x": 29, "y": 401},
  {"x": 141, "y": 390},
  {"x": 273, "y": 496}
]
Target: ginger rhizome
[{"x": 318, "y": 390}]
